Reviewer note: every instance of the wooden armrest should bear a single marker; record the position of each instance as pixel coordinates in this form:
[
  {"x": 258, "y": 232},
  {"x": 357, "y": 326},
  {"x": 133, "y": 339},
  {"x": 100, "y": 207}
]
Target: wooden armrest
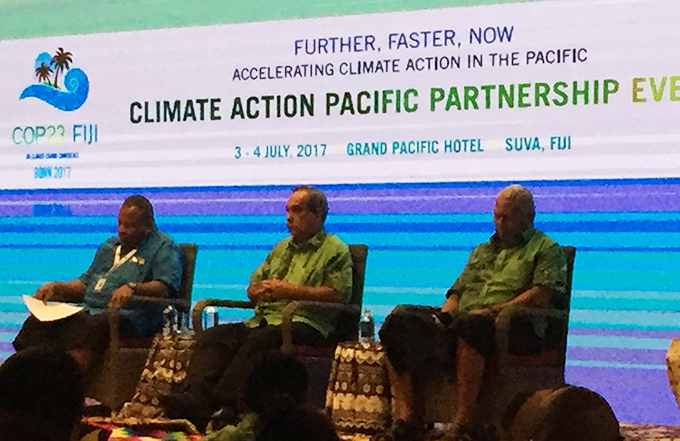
[
  {"x": 114, "y": 313},
  {"x": 420, "y": 308},
  {"x": 181, "y": 304},
  {"x": 507, "y": 315},
  {"x": 197, "y": 313},
  {"x": 289, "y": 311}
]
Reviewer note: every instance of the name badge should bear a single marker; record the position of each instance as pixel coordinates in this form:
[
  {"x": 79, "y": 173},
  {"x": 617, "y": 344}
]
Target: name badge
[{"x": 100, "y": 284}]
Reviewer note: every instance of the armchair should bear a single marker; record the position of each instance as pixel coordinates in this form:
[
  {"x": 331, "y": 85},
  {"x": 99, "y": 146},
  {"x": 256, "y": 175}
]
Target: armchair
[
  {"x": 317, "y": 360},
  {"x": 514, "y": 369},
  {"x": 114, "y": 378}
]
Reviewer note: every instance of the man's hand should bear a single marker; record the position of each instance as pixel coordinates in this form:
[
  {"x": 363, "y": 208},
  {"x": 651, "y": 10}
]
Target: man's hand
[
  {"x": 120, "y": 297},
  {"x": 451, "y": 304},
  {"x": 256, "y": 292},
  {"x": 46, "y": 292}
]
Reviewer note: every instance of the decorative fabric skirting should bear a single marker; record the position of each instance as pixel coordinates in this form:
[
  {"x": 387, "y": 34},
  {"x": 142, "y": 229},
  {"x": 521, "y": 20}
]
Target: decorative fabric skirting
[
  {"x": 358, "y": 394},
  {"x": 166, "y": 366}
]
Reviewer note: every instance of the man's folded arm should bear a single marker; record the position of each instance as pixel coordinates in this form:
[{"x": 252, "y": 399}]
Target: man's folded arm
[
  {"x": 274, "y": 289},
  {"x": 549, "y": 279},
  {"x": 538, "y": 296},
  {"x": 154, "y": 288},
  {"x": 336, "y": 287}
]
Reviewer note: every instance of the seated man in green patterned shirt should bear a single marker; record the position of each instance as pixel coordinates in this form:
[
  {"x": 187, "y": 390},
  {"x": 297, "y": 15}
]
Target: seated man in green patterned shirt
[
  {"x": 519, "y": 265},
  {"x": 309, "y": 265}
]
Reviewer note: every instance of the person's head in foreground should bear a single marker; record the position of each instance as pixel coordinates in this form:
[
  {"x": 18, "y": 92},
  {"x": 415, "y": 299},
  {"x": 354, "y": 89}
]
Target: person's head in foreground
[
  {"x": 276, "y": 390},
  {"x": 275, "y": 377},
  {"x": 566, "y": 413},
  {"x": 296, "y": 423},
  {"x": 41, "y": 396}
]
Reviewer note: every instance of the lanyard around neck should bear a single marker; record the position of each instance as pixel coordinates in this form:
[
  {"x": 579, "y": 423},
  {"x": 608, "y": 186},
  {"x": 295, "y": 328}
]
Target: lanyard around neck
[{"x": 118, "y": 261}]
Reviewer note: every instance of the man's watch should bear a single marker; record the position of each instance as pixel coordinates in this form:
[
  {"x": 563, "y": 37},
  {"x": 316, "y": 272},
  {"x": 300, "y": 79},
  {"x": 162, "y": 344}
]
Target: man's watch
[{"x": 132, "y": 286}]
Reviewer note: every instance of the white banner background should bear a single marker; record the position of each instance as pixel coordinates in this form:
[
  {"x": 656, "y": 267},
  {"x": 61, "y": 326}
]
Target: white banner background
[{"x": 624, "y": 40}]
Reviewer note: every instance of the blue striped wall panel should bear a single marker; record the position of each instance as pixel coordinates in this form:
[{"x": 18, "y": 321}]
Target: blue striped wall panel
[{"x": 626, "y": 300}]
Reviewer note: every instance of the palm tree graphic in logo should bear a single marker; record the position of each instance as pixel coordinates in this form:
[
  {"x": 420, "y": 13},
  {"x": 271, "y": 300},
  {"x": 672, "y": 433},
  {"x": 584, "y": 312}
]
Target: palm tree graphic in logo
[
  {"x": 61, "y": 61},
  {"x": 75, "y": 82},
  {"x": 43, "y": 73}
]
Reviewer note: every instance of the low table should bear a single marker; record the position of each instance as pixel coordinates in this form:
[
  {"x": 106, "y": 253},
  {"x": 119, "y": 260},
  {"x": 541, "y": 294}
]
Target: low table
[{"x": 358, "y": 394}]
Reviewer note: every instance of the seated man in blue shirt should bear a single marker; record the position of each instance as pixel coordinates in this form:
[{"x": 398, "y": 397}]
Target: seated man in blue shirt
[{"x": 141, "y": 260}]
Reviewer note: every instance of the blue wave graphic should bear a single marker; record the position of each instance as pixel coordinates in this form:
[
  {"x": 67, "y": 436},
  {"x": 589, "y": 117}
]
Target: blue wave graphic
[{"x": 77, "y": 86}]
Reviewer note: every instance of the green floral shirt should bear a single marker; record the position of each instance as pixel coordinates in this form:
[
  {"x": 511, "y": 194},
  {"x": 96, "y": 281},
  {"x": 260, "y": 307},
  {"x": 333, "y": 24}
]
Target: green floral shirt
[
  {"x": 494, "y": 274},
  {"x": 323, "y": 260},
  {"x": 244, "y": 431}
]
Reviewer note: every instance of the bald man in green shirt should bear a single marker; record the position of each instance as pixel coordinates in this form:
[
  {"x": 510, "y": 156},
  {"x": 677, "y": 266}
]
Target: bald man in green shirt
[
  {"x": 309, "y": 265},
  {"x": 519, "y": 265}
]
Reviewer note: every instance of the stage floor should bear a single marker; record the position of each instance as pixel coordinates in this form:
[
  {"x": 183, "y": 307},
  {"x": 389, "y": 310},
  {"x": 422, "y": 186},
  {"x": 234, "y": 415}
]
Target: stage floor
[
  {"x": 630, "y": 432},
  {"x": 640, "y": 432}
]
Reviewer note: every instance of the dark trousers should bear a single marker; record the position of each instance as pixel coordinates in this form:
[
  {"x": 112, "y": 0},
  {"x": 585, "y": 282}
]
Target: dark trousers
[
  {"x": 415, "y": 342},
  {"x": 79, "y": 331},
  {"x": 224, "y": 356}
]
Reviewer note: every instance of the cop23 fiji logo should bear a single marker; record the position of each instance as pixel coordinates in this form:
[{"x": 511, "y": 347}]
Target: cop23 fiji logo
[{"x": 49, "y": 70}]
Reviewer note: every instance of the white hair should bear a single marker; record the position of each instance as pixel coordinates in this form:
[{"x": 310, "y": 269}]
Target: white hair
[{"x": 521, "y": 196}]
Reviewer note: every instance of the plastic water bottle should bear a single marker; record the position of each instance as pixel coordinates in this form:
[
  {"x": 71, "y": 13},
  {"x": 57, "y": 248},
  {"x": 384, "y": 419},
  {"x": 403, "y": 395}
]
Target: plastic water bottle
[
  {"x": 170, "y": 321},
  {"x": 366, "y": 327},
  {"x": 210, "y": 317},
  {"x": 185, "y": 328}
]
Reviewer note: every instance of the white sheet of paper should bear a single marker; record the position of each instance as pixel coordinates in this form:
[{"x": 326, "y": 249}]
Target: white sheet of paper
[{"x": 50, "y": 311}]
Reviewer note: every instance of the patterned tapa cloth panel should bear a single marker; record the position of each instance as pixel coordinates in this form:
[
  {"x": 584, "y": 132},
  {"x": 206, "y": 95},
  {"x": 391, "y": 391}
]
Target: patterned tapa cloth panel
[
  {"x": 142, "y": 418},
  {"x": 358, "y": 394},
  {"x": 165, "y": 367}
]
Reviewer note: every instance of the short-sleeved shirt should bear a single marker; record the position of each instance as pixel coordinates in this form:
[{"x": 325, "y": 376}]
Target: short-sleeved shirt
[
  {"x": 156, "y": 258},
  {"x": 495, "y": 274},
  {"x": 244, "y": 431},
  {"x": 323, "y": 260}
]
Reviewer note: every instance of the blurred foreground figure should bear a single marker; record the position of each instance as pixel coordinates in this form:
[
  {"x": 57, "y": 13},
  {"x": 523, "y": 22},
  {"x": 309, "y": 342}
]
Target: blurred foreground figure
[
  {"x": 41, "y": 396},
  {"x": 274, "y": 394},
  {"x": 566, "y": 413}
]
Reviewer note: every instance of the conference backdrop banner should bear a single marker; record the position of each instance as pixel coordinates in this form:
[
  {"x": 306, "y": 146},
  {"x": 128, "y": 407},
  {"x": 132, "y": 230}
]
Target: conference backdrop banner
[{"x": 546, "y": 90}]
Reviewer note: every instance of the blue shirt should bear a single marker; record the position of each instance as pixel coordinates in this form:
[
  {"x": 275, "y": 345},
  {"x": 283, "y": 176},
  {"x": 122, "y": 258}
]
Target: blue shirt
[{"x": 156, "y": 258}]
